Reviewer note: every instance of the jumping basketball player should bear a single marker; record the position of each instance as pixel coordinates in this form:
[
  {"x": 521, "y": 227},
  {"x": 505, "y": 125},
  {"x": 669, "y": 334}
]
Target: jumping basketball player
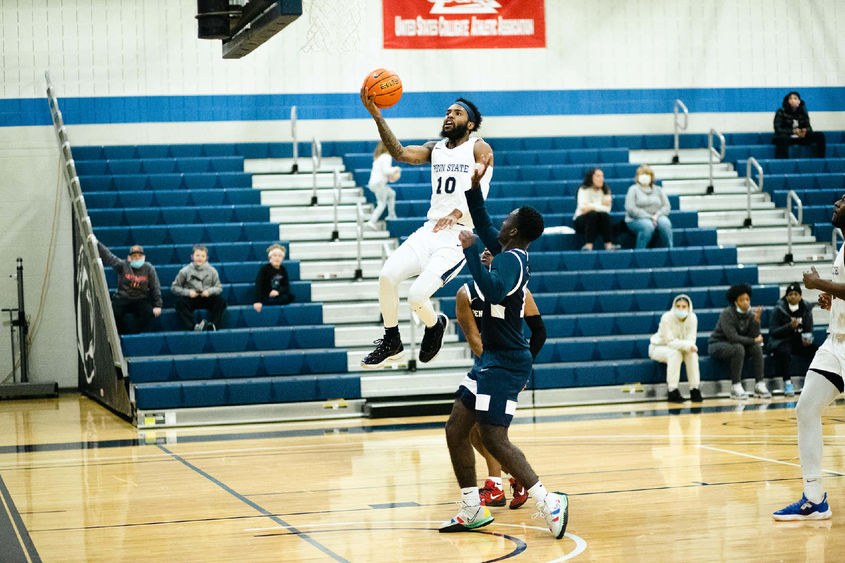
[
  {"x": 489, "y": 391},
  {"x": 432, "y": 252},
  {"x": 469, "y": 309},
  {"x": 822, "y": 384}
]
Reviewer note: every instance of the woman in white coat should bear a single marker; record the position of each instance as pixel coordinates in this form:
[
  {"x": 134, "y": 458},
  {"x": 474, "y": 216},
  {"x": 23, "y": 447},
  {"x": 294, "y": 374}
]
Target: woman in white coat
[{"x": 674, "y": 343}]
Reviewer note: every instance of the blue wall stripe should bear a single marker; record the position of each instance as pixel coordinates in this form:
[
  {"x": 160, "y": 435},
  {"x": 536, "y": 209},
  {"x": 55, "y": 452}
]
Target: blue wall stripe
[{"x": 153, "y": 109}]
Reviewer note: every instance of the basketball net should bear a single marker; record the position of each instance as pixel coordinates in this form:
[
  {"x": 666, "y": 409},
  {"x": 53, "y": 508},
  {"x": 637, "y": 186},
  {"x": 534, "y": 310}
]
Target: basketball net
[{"x": 332, "y": 25}]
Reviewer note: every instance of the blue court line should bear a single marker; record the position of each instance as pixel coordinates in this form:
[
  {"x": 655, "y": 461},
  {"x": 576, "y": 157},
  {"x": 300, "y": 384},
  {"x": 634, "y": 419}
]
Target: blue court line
[
  {"x": 312, "y": 432},
  {"x": 15, "y": 543},
  {"x": 347, "y": 105},
  {"x": 254, "y": 505}
]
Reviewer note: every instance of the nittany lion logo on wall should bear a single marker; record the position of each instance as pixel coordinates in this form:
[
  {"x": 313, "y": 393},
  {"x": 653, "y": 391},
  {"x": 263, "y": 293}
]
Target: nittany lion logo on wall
[{"x": 85, "y": 342}]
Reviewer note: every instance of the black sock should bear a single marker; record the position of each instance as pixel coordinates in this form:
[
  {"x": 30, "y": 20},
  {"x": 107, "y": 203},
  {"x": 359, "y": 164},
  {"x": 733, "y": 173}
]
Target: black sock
[{"x": 391, "y": 332}]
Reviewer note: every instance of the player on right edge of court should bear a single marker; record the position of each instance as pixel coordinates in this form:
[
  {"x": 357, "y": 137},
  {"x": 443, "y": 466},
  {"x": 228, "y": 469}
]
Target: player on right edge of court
[
  {"x": 489, "y": 391},
  {"x": 822, "y": 384}
]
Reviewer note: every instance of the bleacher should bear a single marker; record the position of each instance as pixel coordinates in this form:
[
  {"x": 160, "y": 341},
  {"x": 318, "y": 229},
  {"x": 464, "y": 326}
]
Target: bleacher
[{"x": 600, "y": 307}]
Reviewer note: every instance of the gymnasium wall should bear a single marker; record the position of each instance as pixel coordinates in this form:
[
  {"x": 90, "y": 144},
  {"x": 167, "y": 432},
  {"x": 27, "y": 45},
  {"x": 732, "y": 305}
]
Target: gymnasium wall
[{"x": 133, "y": 72}]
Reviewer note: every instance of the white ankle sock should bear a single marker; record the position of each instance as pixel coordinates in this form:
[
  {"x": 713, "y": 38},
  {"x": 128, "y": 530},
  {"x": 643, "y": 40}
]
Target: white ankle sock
[
  {"x": 497, "y": 480},
  {"x": 538, "y": 492},
  {"x": 813, "y": 489},
  {"x": 470, "y": 496}
]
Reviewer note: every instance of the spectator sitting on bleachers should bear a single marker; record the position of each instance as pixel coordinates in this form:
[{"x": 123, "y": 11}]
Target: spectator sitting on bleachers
[
  {"x": 197, "y": 286},
  {"x": 736, "y": 337},
  {"x": 673, "y": 343},
  {"x": 647, "y": 210},
  {"x": 272, "y": 284},
  {"x": 382, "y": 172},
  {"x": 792, "y": 127},
  {"x": 138, "y": 290},
  {"x": 791, "y": 333},
  {"x": 592, "y": 213}
]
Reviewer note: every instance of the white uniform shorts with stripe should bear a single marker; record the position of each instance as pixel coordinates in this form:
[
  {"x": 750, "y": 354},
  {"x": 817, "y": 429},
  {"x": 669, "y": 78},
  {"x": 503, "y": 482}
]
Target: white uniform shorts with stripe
[
  {"x": 440, "y": 253},
  {"x": 830, "y": 359},
  {"x": 492, "y": 386}
]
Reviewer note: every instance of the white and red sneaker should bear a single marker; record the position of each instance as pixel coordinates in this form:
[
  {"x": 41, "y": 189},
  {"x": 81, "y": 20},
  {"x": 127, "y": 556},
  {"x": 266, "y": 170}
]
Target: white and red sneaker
[
  {"x": 520, "y": 495},
  {"x": 491, "y": 494}
]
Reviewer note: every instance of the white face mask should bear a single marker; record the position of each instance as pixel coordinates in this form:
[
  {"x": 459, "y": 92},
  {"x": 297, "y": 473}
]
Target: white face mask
[
  {"x": 740, "y": 311},
  {"x": 681, "y": 313},
  {"x": 644, "y": 179},
  {"x": 793, "y": 308}
]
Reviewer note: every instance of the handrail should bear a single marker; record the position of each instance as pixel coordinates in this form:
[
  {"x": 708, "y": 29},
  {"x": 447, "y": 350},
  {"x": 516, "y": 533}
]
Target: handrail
[
  {"x": 836, "y": 231},
  {"x": 679, "y": 104},
  {"x": 711, "y": 152},
  {"x": 295, "y": 168},
  {"x": 790, "y": 197},
  {"x": 86, "y": 232},
  {"x": 748, "y": 183},
  {"x": 359, "y": 234},
  {"x": 337, "y": 194},
  {"x": 316, "y": 162}
]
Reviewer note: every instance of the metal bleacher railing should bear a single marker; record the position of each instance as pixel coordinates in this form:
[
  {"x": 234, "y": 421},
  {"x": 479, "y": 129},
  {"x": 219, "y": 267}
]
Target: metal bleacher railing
[
  {"x": 790, "y": 197},
  {"x": 678, "y": 127},
  {"x": 749, "y": 182},
  {"x": 316, "y": 162},
  {"x": 86, "y": 232},
  {"x": 711, "y": 152},
  {"x": 295, "y": 167}
]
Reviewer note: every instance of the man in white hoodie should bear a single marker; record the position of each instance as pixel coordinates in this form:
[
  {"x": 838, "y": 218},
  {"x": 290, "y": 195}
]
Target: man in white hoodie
[{"x": 674, "y": 343}]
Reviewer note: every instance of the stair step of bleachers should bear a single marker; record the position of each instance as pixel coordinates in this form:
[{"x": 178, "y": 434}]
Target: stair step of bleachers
[
  {"x": 285, "y": 165},
  {"x": 725, "y": 202},
  {"x": 664, "y": 156},
  {"x": 764, "y": 235},
  {"x": 346, "y": 211},
  {"x": 688, "y": 171},
  {"x": 358, "y": 312},
  {"x": 722, "y": 186},
  {"x": 286, "y": 181},
  {"x": 340, "y": 249},
  {"x": 323, "y": 231},
  {"x": 383, "y": 383},
  {"x": 333, "y": 291},
  {"x": 787, "y": 273},
  {"x": 340, "y": 269},
  {"x": 451, "y": 356},
  {"x": 765, "y": 254},
  {"x": 759, "y": 218},
  {"x": 296, "y": 196}
]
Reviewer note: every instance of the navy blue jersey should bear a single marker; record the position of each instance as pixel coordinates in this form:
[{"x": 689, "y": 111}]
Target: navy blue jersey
[{"x": 476, "y": 303}]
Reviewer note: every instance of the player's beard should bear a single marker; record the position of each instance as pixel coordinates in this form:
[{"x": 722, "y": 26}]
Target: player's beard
[{"x": 456, "y": 132}]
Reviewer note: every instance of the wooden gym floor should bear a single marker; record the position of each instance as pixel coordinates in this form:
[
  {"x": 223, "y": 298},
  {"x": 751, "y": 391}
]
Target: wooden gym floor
[{"x": 645, "y": 483}]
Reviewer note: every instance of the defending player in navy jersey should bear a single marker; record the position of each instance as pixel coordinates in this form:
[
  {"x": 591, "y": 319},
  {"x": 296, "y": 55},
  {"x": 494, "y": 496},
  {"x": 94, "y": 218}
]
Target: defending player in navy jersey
[
  {"x": 469, "y": 308},
  {"x": 432, "y": 252},
  {"x": 489, "y": 391}
]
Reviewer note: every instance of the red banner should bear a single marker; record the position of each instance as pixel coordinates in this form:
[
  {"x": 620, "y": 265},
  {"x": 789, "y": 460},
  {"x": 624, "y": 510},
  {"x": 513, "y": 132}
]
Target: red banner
[{"x": 464, "y": 24}]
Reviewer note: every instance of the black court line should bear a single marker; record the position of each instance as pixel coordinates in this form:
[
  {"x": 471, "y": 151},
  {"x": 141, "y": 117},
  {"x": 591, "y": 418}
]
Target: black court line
[
  {"x": 15, "y": 544},
  {"x": 309, "y": 432},
  {"x": 256, "y": 506}
]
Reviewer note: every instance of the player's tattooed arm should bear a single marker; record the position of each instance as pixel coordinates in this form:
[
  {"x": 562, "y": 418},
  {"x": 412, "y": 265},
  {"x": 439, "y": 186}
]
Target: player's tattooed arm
[{"x": 413, "y": 154}]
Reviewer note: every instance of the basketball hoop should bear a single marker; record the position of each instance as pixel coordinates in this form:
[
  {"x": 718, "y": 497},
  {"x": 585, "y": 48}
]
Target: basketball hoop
[{"x": 332, "y": 25}]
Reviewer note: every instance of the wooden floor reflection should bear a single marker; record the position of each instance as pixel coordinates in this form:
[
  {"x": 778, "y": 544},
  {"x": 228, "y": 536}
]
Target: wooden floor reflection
[{"x": 645, "y": 482}]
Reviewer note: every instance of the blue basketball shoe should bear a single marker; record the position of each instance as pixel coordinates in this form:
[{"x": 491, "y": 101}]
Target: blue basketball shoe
[{"x": 804, "y": 510}]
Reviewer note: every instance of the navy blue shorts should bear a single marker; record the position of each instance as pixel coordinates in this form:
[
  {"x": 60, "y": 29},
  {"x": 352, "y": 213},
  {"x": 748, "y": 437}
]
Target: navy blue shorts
[{"x": 492, "y": 386}]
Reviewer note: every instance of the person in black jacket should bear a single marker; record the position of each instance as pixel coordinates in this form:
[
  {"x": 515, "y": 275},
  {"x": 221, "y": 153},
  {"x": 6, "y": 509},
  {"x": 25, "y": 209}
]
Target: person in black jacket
[
  {"x": 791, "y": 333},
  {"x": 272, "y": 285},
  {"x": 138, "y": 290},
  {"x": 792, "y": 127}
]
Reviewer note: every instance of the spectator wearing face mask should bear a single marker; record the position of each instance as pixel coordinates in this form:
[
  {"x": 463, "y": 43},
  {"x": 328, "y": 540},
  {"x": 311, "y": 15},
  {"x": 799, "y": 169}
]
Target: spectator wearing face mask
[
  {"x": 791, "y": 333},
  {"x": 673, "y": 343},
  {"x": 647, "y": 210},
  {"x": 138, "y": 290},
  {"x": 737, "y": 337},
  {"x": 792, "y": 127}
]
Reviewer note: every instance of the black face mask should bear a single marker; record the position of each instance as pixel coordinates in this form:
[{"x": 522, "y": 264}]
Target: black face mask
[{"x": 457, "y": 132}]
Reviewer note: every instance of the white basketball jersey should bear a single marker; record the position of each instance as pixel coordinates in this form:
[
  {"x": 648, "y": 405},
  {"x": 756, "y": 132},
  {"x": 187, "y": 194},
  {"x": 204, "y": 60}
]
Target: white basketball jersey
[
  {"x": 451, "y": 176},
  {"x": 837, "y": 306}
]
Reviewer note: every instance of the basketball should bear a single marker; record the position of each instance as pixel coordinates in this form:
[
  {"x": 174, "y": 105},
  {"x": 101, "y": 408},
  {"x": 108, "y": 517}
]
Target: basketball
[{"x": 385, "y": 85}]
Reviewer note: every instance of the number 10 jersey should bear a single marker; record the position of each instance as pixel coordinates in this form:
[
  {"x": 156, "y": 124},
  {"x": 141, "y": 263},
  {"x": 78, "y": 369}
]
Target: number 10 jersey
[{"x": 451, "y": 176}]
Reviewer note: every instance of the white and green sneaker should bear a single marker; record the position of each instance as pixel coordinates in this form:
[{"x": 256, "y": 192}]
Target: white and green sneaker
[{"x": 468, "y": 518}]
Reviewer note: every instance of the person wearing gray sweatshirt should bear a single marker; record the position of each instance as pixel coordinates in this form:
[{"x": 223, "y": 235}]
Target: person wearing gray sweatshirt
[
  {"x": 138, "y": 291},
  {"x": 647, "y": 210},
  {"x": 197, "y": 286}
]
